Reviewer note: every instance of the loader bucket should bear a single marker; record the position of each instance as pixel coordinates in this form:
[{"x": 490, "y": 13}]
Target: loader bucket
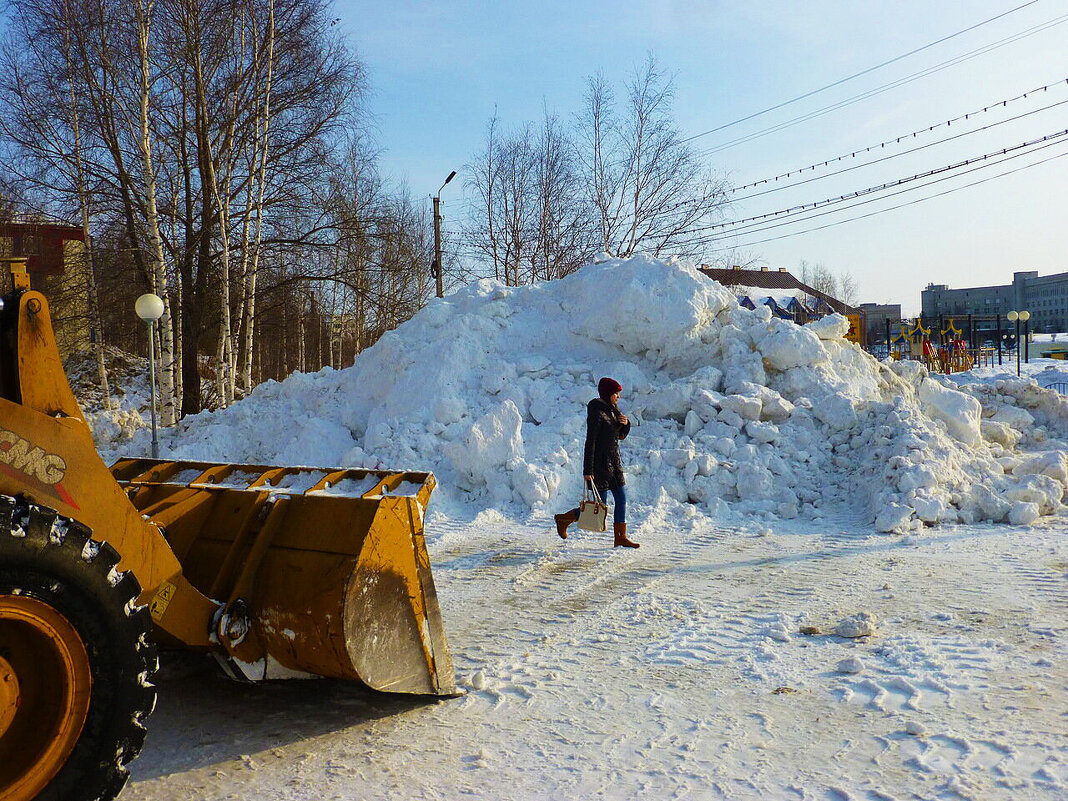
[{"x": 321, "y": 572}]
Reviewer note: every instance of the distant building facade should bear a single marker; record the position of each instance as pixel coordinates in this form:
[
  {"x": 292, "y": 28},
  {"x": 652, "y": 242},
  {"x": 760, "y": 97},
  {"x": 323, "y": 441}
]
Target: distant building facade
[
  {"x": 58, "y": 266},
  {"x": 876, "y": 317},
  {"x": 1046, "y": 297}
]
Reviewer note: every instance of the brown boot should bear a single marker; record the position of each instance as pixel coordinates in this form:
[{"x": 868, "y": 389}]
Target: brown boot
[
  {"x": 621, "y": 537},
  {"x": 565, "y": 520}
]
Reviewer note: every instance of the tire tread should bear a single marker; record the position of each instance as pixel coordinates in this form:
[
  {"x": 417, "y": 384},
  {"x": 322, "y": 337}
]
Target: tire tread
[{"x": 35, "y": 558}]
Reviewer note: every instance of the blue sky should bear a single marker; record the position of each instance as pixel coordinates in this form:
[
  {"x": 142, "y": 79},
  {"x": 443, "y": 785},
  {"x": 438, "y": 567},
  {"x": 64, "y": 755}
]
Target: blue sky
[{"x": 437, "y": 71}]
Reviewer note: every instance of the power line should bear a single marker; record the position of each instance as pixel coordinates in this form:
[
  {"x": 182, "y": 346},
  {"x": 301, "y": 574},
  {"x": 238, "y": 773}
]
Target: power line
[
  {"x": 890, "y": 208},
  {"x": 808, "y": 215},
  {"x": 896, "y": 155},
  {"x": 888, "y": 185},
  {"x": 467, "y": 203},
  {"x": 862, "y": 72},
  {"x": 886, "y": 87},
  {"x": 896, "y": 140}
]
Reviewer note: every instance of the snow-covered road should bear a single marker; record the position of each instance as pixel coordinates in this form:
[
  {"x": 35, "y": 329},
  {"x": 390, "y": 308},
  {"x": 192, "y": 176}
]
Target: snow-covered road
[{"x": 675, "y": 671}]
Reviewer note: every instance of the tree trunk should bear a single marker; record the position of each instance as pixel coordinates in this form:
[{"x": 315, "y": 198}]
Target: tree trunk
[
  {"x": 95, "y": 321},
  {"x": 301, "y": 334},
  {"x": 159, "y": 272},
  {"x": 224, "y": 352},
  {"x": 251, "y": 278}
]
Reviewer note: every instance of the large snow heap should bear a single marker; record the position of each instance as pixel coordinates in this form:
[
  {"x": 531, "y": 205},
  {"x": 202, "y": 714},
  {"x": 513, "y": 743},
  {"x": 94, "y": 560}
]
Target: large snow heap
[{"x": 736, "y": 411}]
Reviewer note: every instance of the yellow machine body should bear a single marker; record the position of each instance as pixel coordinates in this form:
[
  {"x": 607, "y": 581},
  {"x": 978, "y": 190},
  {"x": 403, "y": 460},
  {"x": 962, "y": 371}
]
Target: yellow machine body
[{"x": 279, "y": 571}]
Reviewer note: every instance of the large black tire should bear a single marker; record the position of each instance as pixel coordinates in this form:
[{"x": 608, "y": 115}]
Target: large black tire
[{"x": 53, "y": 560}]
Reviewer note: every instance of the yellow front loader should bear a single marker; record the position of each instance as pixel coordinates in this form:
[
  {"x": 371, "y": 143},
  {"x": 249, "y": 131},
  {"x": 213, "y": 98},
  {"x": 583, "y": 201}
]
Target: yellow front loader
[{"x": 278, "y": 572}]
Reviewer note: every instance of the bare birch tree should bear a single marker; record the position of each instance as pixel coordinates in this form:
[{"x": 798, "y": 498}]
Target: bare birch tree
[
  {"x": 155, "y": 242},
  {"x": 563, "y": 240},
  {"x": 841, "y": 287},
  {"x": 482, "y": 233},
  {"x": 532, "y": 223},
  {"x": 623, "y": 180},
  {"x": 650, "y": 189},
  {"x": 250, "y": 270},
  {"x": 85, "y": 216}
]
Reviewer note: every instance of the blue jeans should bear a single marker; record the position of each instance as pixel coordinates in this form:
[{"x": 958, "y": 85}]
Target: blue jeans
[{"x": 619, "y": 508}]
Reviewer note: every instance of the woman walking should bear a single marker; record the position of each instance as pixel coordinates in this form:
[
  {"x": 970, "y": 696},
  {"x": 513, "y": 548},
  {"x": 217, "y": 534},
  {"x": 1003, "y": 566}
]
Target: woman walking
[{"x": 601, "y": 465}]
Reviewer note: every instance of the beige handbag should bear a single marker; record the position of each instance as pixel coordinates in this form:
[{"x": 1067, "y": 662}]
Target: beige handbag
[{"x": 593, "y": 512}]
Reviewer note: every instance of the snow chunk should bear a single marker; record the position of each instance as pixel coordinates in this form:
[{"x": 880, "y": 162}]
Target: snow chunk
[
  {"x": 961, "y": 413},
  {"x": 1014, "y": 417},
  {"x": 833, "y": 326},
  {"x": 836, "y": 412},
  {"x": 850, "y": 665},
  {"x": 490, "y": 443},
  {"x": 1042, "y": 490},
  {"x": 785, "y": 345},
  {"x": 1050, "y": 463},
  {"x": 893, "y": 518},
  {"x": 762, "y": 432},
  {"x": 991, "y": 506},
  {"x": 746, "y": 408},
  {"x": 1000, "y": 433},
  {"x": 861, "y": 624},
  {"x": 1023, "y": 513}
]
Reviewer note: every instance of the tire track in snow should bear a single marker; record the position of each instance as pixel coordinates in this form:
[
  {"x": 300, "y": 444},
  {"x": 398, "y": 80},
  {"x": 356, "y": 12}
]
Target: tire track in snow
[{"x": 570, "y": 600}]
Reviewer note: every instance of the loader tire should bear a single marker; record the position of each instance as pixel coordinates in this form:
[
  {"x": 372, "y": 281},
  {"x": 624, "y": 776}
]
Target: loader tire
[{"x": 75, "y": 663}]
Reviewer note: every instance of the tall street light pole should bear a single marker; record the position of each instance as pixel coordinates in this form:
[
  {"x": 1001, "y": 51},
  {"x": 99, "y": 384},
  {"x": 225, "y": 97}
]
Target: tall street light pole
[
  {"x": 436, "y": 267},
  {"x": 149, "y": 308},
  {"x": 1026, "y": 317},
  {"x": 1017, "y": 318}
]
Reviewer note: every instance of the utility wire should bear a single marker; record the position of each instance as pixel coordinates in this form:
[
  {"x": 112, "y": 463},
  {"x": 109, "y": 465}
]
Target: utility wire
[
  {"x": 890, "y": 208},
  {"x": 897, "y": 140},
  {"x": 757, "y": 230},
  {"x": 888, "y": 185},
  {"x": 896, "y": 155},
  {"x": 886, "y": 87},
  {"x": 806, "y": 216},
  {"x": 858, "y": 74}
]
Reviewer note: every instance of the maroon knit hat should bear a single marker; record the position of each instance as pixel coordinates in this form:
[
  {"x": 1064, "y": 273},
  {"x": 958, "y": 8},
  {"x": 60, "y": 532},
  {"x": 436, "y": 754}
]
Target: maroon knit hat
[{"x": 607, "y": 387}]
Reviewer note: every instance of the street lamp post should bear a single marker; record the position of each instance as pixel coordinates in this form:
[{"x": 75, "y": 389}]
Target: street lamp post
[
  {"x": 149, "y": 308},
  {"x": 1018, "y": 317},
  {"x": 437, "y": 236},
  {"x": 1026, "y": 317}
]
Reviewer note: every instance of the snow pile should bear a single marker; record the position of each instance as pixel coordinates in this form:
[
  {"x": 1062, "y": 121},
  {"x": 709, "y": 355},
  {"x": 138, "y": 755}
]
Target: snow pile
[
  {"x": 734, "y": 411},
  {"x": 128, "y": 409}
]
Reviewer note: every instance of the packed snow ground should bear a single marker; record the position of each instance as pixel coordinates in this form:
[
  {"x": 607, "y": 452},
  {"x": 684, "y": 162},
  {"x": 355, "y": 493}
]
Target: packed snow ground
[
  {"x": 676, "y": 671},
  {"x": 767, "y": 458}
]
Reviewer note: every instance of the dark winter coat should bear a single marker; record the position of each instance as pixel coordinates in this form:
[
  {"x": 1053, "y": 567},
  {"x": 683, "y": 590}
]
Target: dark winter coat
[{"x": 600, "y": 458}]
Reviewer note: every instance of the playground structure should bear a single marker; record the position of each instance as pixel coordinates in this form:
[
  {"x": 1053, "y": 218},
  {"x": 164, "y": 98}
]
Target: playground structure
[
  {"x": 953, "y": 354},
  {"x": 953, "y": 344}
]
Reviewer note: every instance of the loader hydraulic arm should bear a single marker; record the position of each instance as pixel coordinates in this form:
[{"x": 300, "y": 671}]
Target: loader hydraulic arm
[
  {"x": 47, "y": 455},
  {"x": 9, "y": 328}
]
